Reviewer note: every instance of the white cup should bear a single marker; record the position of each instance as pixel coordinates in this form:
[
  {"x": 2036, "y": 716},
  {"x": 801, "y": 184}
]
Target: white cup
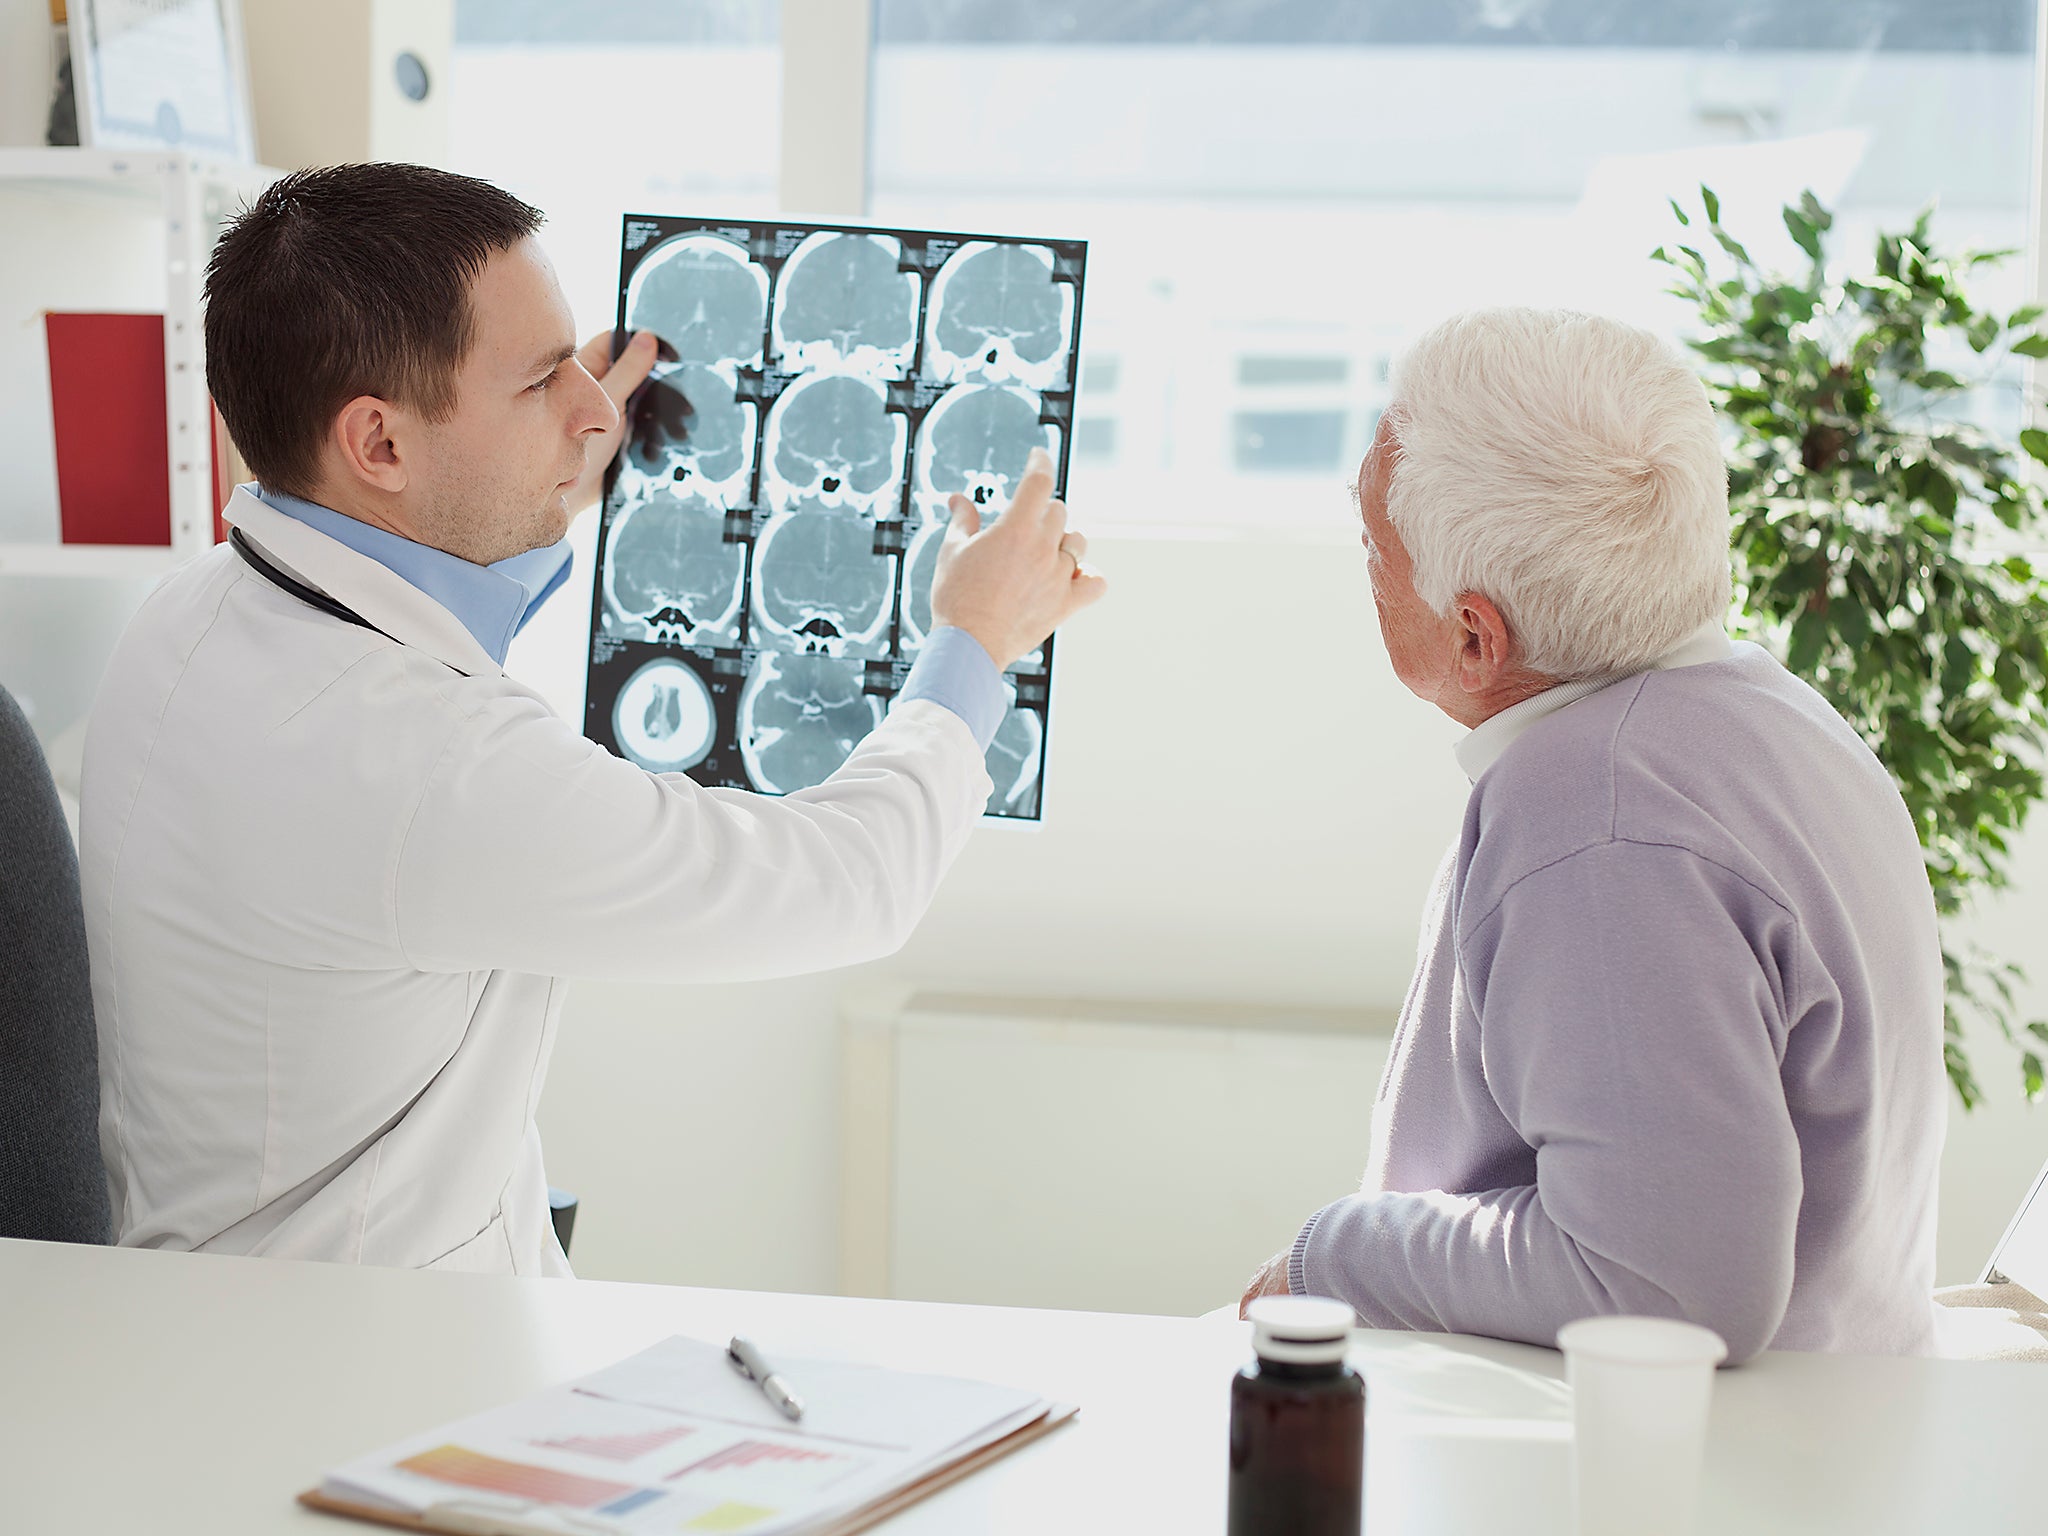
[{"x": 1640, "y": 1391}]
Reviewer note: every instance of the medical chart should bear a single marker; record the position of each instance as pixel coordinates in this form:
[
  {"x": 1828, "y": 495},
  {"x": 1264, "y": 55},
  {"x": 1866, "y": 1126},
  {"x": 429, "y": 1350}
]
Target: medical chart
[
  {"x": 672, "y": 1440},
  {"x": 765, "y": 554}
]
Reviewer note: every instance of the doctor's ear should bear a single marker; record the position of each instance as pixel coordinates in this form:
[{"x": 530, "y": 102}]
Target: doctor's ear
[{"x": 363, "y": 433}]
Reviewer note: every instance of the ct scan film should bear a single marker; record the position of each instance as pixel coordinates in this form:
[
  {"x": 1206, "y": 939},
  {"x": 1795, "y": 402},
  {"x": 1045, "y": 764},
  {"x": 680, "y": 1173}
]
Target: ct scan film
[{"x": 764, "y": 564}]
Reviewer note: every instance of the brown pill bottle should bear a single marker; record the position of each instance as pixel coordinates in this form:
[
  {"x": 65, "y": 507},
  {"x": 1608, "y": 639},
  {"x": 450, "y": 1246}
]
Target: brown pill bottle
[{"x": 1297, "y": 1424}]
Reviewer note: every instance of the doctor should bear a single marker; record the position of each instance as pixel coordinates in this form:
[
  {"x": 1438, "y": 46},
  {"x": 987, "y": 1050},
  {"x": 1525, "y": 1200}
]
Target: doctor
[{"x": 337, "y": 866}]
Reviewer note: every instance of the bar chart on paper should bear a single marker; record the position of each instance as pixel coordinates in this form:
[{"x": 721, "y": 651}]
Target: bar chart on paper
[
  {"x": 793, "y": 1466},
  {"x": 621, "y": 1448},
  {"x": 473, "y": 1469}
]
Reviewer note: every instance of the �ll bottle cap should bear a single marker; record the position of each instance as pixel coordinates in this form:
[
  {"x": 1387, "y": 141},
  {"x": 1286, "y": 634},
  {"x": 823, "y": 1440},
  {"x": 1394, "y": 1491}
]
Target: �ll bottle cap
[{"x": 1300, "y": 1330}]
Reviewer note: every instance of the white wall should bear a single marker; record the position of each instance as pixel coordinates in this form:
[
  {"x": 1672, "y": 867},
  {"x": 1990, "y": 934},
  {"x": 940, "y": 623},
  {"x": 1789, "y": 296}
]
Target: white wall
[
  {"x": 1211, "y": 807},
  {"x": 1228, "y": 822},
  {"x": 323, "y": 84}
]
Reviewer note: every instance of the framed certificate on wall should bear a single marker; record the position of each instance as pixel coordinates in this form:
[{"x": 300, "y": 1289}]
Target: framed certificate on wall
[{"x": 162, "y": 74}]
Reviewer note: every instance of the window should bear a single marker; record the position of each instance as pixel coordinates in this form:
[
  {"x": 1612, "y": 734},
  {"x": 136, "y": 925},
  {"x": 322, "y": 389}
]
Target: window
[
  {"x": 1280, "y": 193},
  {"x": 591, "y": 111}
]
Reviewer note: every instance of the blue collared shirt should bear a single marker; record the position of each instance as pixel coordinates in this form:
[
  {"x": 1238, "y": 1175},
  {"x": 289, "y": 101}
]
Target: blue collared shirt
[
  {"x": 954, "y": 671},
  {"x": 493, "y": 602}
]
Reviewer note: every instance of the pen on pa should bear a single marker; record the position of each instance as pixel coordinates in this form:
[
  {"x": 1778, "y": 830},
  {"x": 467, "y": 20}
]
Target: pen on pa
[{"x": 748, "y": 1361}]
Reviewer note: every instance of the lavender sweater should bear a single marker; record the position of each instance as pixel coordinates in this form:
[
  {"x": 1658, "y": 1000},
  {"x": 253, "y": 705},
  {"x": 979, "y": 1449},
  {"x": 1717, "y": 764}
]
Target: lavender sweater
[{"x": 1673, "y": 1044}]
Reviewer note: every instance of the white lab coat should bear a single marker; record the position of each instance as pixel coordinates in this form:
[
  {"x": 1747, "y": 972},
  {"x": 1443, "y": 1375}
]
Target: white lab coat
[{"x": 334, "y": 885}]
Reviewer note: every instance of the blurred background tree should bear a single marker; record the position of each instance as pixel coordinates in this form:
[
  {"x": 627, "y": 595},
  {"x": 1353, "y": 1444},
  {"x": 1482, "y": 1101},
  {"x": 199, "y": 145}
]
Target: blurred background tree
[{"x": 1880, "y": 542}]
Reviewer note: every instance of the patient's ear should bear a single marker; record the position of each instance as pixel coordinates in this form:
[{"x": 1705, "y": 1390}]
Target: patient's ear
[
  {"x": 1487, "y": 657},
  {"x": 366, "y": 437}
]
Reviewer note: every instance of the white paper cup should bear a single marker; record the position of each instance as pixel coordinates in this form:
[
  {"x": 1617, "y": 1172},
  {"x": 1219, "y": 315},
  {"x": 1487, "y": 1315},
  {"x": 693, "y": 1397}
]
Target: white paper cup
[{"x": 1640, "y": 1391}]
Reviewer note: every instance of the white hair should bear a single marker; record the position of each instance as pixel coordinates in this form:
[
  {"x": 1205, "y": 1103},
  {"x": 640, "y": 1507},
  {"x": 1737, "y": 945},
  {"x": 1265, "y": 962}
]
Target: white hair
[{"x": 1566, "y": 467}]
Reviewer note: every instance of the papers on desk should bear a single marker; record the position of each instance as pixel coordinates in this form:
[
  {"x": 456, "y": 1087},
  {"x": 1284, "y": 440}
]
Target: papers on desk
[{"x": 674, "y": 1440}]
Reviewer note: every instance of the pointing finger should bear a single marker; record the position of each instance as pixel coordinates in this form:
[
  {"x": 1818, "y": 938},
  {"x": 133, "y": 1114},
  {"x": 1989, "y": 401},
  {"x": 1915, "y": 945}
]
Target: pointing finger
[{"x": 1034, "y": 487}]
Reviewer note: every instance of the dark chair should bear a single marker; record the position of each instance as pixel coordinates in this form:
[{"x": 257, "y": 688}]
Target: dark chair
[
  {"x": 52, "y": 1182},
  {"x": 562, "y": 1212}
]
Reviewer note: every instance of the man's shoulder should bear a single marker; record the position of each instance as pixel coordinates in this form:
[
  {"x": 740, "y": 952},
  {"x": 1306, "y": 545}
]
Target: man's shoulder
[
  {"x": 1700, "y": 721},
  {"x": 219, "y": 651},
  {"x": 1553, "y": 789},
  {"x": 1712, "y": 758}
]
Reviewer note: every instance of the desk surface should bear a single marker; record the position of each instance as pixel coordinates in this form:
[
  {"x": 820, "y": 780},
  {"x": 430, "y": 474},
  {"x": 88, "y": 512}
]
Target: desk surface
[{"x": 194, "y": 1396}]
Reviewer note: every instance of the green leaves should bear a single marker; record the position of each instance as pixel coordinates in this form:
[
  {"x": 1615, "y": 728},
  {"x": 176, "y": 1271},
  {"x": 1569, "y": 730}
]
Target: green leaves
[
  {"x": 1733, "y": 247},
  {"x": 1851, "y": 621},
  {"x": 1925, "y": 480},
  {"x": 1809, "y": 642},
  {"x": 1857, "y": 521},
  {"x": 1805, "y": 233}
]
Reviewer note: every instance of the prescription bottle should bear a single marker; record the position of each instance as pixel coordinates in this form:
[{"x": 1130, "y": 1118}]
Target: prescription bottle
[{"x": 1297, "y": 1424}]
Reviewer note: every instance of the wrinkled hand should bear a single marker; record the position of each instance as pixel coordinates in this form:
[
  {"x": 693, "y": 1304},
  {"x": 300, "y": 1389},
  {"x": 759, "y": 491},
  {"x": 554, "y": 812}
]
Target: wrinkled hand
[
  {"x": 1014, "y": 583},
  {"x": 618, "y": 379},
  {"x": 1269, "y": 1279}
]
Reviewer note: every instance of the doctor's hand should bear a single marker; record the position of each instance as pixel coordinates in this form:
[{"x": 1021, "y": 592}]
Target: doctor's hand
[
  {"x": 1011, "y": 584},
  {"x": 618, "y": 380},
  {"x": 1270, "y": 1279}
]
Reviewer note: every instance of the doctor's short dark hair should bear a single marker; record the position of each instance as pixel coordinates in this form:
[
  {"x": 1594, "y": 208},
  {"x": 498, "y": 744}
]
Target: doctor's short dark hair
[{"x": 341, "y": 281}]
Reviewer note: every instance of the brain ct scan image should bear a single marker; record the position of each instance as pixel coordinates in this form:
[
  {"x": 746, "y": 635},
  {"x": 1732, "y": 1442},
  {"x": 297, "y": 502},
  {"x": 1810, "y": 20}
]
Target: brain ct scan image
[
  {"x": 842, "y": 300},
  {"x": 703, "y": 297},
  {"x": 832, "y": 437},
  {"x": 669, "y": 567},
  {"x": 1001, "y": 315},
  {"x": 771, "y": 530},
  {"x": 1014, "y": 760},
  {"x": 686, "y": 424},
  {"x": 975, "y": 442},
  {"x": 917, "y": 579},
  {"x": 820, "y": 586},
  {"x": 663, "y": 717},
  {"x": 800, "y": 717}
]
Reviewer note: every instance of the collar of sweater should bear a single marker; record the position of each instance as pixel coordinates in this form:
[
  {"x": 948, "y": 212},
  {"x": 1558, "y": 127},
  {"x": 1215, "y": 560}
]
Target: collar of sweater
[{"x": 1482, "y": 746}]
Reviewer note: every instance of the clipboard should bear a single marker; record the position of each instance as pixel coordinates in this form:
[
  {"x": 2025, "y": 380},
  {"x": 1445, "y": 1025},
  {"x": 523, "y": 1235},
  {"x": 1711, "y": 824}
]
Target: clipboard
[{"x": 479, "y": 1520}]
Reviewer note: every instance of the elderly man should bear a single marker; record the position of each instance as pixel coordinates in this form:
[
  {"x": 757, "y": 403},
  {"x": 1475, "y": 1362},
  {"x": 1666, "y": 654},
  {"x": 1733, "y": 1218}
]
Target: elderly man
[{"x": 1673, "y": 1045}]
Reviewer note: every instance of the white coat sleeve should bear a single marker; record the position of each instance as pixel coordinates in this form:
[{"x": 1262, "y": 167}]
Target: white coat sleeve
[{"x": 533, "y": 849}]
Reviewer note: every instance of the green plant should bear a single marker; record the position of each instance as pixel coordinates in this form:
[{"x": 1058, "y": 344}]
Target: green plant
[{"x": 1876, "y": 539}]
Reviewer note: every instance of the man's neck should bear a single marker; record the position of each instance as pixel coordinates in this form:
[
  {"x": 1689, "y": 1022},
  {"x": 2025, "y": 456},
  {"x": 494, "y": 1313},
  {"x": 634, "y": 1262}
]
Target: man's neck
[
  {"x": 1473, "y": 710},
  {"x": 366, "y": 509}
]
